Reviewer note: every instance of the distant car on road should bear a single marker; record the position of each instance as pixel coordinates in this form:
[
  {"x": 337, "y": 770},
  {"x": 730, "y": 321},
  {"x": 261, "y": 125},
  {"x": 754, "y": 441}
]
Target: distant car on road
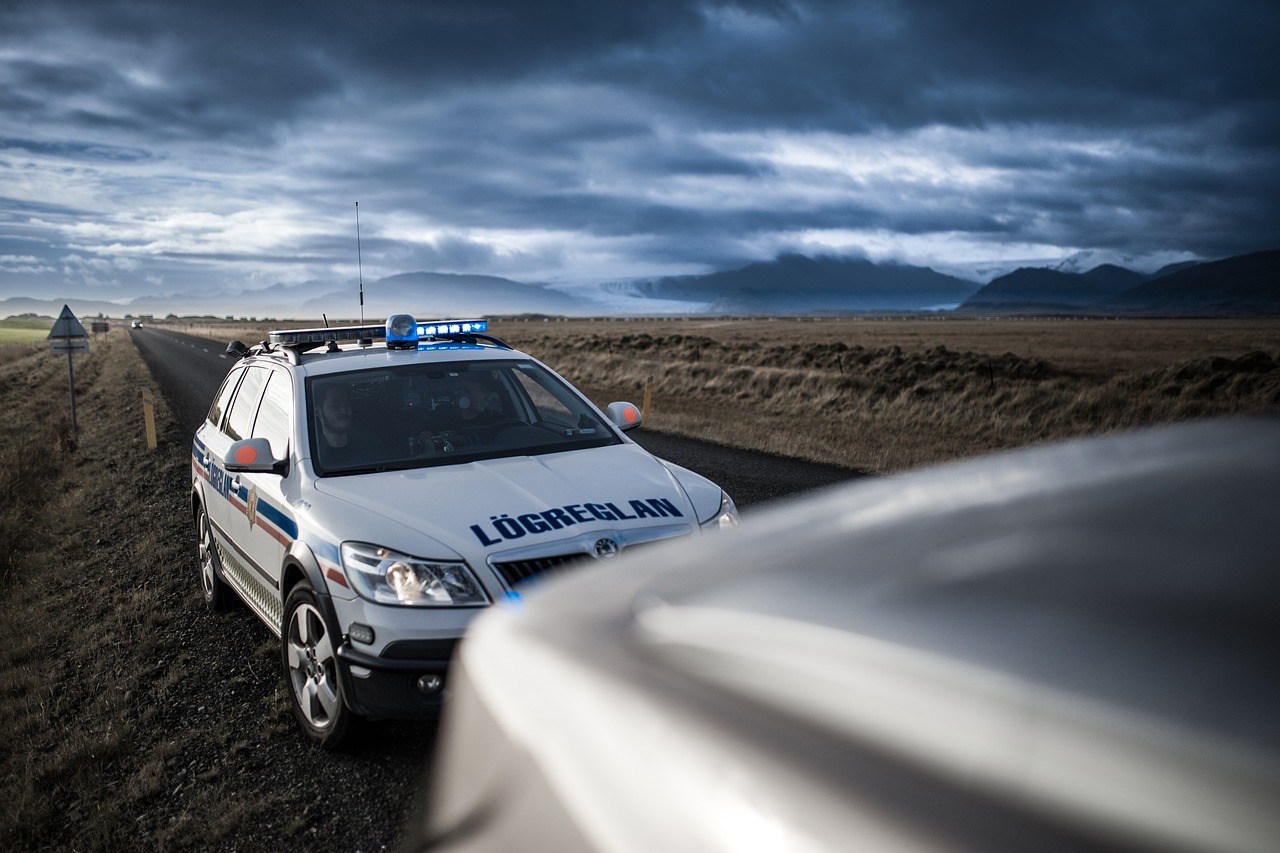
[
  {"x": 368, "y": 500},
  {"x": 1064, "y": 648},
  {"x": 136, "y": 324}
]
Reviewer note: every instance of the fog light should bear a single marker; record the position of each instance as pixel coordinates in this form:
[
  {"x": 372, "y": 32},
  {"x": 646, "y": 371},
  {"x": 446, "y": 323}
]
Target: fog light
[
  {"x": 360, "y": 633},
  {"x": 430, "y": 683}
]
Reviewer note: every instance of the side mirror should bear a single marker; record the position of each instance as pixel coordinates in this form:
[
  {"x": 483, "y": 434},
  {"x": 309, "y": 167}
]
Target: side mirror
[
  {"x": 253, "y": 456},
  {"x": 624, "y": 416}
]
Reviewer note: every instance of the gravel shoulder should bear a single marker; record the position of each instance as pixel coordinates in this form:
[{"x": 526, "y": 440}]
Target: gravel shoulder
[{"x": 133, "y": 718}]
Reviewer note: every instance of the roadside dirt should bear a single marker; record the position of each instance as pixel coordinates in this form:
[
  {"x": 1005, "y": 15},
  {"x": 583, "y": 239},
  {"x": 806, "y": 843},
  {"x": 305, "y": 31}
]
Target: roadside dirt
[{"x": 133, "y": 718}]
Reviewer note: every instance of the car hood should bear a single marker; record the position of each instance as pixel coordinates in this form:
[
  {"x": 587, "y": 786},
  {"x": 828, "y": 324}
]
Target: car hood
[{"x": 521, "y": 500}]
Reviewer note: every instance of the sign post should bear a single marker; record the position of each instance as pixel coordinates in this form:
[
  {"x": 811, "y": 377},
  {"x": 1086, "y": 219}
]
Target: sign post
[{"x": 68, "y": 335}]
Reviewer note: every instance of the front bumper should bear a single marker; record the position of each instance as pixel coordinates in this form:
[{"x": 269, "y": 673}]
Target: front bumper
[{"x": 398, "y": 684}]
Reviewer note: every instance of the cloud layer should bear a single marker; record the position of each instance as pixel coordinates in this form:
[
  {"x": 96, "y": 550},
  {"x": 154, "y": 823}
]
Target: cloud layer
[{"x": 157, "y": 147}]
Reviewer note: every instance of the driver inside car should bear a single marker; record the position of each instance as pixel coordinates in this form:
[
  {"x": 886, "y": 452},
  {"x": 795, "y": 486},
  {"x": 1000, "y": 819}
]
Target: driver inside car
[{"x": 477, "y": 402}]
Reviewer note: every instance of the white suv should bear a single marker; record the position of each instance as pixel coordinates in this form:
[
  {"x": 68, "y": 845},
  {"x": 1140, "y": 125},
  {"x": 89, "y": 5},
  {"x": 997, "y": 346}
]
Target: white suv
[{"x": 367, "y": 500}]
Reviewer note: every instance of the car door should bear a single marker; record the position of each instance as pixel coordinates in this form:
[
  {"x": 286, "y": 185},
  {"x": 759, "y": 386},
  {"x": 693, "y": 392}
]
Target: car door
[
  {"x": 211, "y": 446},
  {"x": 232, "y": 510},
  {"x": 269, "y": 526}
]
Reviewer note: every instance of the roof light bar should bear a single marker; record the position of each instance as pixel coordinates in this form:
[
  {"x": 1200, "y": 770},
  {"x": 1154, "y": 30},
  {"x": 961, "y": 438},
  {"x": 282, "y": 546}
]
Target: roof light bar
[
  {"x": 319, "y": 336},
  {"x": 400, "y": 331}
]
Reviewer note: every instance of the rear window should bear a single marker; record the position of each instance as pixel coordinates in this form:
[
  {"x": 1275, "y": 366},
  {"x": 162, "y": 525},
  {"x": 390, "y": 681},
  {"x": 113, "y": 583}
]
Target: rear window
[
  {"x": 273, "y": 422},
  {"x": 219, "y": 407},
  {"x": 245, "y": 405}
]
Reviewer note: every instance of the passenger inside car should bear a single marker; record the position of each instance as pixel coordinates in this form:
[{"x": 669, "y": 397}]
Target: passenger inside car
[{"x": 341, "y": 442}]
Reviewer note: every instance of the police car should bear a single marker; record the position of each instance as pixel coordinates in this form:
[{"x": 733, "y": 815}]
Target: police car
[{"x": 367, "y": 491}]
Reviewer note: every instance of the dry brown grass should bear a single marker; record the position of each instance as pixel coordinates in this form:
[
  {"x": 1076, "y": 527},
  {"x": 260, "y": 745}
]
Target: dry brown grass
[
  {"x": 71, "y": 694},
  {"x": 35, "y": 432},
  {"x": 886, "y": 394},
  {"x": 131, "y": 717},
  {"x": 891, "y": 394}
]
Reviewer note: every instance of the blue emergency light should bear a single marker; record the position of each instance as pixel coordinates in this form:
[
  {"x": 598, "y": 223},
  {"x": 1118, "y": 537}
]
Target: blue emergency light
[
  {"x": 402, "y": 332},
  {"x": 436, "y": 328}
]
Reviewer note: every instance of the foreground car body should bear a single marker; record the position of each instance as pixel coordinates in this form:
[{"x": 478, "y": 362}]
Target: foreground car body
[
  {"x": 1057, "y": 649},
  {"x": 368, "y": 501}
]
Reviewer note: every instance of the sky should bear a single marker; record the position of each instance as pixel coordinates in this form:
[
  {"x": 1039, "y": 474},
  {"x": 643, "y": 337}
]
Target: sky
[{"x": 164, "y": 147}]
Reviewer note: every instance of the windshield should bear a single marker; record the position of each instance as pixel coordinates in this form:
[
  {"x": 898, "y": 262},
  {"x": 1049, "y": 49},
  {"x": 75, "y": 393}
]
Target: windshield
[{"x": 418, "y": 415}]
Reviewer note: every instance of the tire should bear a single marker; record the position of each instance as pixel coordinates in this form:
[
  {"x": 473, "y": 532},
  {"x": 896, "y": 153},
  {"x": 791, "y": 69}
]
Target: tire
[
  {"x": 310, "y": 662},
  {"x": 217, "y": 595}
]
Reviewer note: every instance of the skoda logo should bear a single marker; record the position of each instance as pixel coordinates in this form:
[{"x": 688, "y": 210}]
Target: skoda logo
[{"x": 607, "y": 549}]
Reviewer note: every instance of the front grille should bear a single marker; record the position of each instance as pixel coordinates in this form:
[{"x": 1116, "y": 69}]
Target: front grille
[{"x": 515, "y": 571}]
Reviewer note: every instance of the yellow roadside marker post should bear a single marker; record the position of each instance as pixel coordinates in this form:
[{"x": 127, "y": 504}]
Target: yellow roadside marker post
[{"x": 149, "y": 415}]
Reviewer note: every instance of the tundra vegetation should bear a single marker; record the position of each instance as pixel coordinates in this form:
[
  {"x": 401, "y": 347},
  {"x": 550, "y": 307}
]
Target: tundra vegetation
[
  {"x": 132, "y": 718},
  {"x": 891, "y": 394}
]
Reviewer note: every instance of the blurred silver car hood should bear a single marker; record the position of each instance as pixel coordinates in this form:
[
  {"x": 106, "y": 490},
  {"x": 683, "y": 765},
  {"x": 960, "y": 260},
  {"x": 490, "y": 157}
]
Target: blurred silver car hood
[{"x": 1065, "y": 646}]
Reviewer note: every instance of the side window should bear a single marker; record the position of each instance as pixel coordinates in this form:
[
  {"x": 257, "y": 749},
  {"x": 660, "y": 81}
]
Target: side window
[
  {"x": 245, "y": 406},
  {"x": 273, "y": 417},
  {"x": 219, "y": 407}
]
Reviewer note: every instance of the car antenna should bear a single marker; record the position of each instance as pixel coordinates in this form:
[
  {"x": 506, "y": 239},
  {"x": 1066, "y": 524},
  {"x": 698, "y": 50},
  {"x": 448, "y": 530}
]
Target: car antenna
[
  {"x": 333, "y": 345},
  {"x": 359, "y": 263}
]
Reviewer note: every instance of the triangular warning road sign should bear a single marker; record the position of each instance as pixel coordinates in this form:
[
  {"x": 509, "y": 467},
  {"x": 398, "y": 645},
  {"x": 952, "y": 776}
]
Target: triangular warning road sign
[{"x": 67, "y": 326}]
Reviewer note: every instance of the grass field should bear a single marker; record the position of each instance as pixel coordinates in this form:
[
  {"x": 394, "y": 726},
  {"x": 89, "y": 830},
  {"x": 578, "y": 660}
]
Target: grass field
[
  {"x": 887, "y": 394},
  {"x": 890, "y": 394},
  {"x": 15, "y": 330}
]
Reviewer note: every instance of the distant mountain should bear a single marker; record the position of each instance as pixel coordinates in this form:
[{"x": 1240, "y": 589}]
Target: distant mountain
[
  {"x": 1248, "y": 284},
  {"x": 432, "y": 294},
  {"x": 795, "y": 284},
  {"x": 1039, "y": 291},
  {"x": 82, "y": 308},
  {"x": 422, "y": 294},
  {"x": 1112, "y": 277},
  {"x": 791, "y": 284},
  {"x": 1169, "y": 269},
  {"x": 1087, "y": 260}
]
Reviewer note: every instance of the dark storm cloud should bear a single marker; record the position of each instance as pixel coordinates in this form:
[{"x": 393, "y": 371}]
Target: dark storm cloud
[
  {"x": 81, "y": 151},
  {"x": 586, "y": 140}
]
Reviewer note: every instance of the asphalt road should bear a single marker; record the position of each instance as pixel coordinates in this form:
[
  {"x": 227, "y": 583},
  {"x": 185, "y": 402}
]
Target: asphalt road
[{"x": 189, "y": 370}]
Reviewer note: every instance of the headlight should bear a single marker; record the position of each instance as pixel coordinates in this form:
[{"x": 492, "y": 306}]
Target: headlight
[
  {"x": 726, "y": 518},
  {"x": 387, "y": 577}
]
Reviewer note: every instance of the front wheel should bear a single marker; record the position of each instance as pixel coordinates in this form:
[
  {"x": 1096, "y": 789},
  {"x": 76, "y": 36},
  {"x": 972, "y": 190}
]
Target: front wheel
[
  {"x": 217, "y": 595},
  {"x": 311, "y": 670}
]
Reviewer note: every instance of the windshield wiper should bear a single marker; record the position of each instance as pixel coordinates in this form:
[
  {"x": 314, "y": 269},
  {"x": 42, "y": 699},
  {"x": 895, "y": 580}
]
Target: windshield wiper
[{"x": 369, "y": 469}]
